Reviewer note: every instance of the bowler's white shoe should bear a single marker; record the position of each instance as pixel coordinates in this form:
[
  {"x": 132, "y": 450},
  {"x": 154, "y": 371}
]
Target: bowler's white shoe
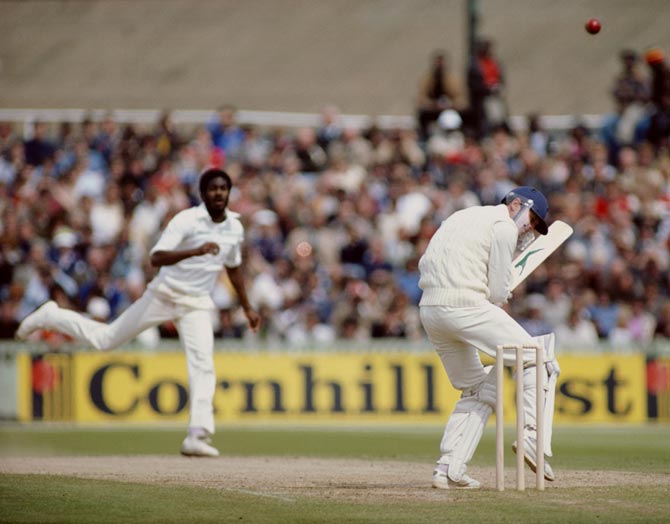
[
  {"x": 441, "y": 479},
  {"x": 529, "y": 456},
  {"x": 198, "y": 447},
  {"x": 35, "y": 320}
]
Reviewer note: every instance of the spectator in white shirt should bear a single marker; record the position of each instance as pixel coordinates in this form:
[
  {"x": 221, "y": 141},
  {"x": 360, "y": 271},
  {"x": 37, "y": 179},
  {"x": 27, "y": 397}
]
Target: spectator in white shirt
[
  {"x": 577, "y": 332},
  {"x": 107, "y": 218}
]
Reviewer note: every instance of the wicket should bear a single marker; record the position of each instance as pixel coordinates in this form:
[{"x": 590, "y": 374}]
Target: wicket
[{"x": 539, "y": 415}]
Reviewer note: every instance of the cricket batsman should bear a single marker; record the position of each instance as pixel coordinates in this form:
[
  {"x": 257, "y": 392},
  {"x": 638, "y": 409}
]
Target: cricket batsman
[{"x": 466, "y": 276}]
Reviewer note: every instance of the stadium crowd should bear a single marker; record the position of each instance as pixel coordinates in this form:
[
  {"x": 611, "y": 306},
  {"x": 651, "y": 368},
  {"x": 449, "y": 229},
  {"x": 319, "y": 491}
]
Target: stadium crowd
[{"x": 337, "y": 218}]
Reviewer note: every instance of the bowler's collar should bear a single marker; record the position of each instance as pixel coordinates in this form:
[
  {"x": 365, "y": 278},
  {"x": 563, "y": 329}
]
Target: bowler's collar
[{"x": 202, "y": 213}]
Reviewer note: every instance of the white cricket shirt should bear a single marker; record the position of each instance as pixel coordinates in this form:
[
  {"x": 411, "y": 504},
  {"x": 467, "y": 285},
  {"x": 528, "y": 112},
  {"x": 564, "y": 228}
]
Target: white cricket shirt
[
  {"x": 191, "y": 280},
  {"x": 469, "y": 259}
]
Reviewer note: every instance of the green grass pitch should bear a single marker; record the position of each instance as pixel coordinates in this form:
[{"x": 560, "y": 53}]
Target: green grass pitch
[{"x": 57, "y": 498}]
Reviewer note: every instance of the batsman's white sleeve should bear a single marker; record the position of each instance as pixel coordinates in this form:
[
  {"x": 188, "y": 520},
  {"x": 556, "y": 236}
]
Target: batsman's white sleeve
[{"x": 503, "y": 244}]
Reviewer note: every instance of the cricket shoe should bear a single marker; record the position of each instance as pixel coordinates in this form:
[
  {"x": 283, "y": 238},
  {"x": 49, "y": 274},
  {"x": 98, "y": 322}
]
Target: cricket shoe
[
  {"x": 441, "y": 479},
  {"x": 194, "y": 446},
  {"x": 530, "y": 457},
  {"x": 36, "y": 320}
]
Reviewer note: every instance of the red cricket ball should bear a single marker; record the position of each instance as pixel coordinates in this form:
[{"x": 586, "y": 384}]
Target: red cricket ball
[{"x": 593, "y": 26}]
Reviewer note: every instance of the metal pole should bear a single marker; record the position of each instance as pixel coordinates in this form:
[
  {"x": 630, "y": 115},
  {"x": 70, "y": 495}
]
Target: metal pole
[{"x": 472, "y": 25}]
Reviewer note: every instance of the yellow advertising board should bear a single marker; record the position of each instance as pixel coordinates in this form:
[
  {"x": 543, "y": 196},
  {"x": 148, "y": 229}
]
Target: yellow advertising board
[
  {"x": 304, "y": 387},
  {"x": 602, "y": 388},
  {"x": 291, "y": 387}
]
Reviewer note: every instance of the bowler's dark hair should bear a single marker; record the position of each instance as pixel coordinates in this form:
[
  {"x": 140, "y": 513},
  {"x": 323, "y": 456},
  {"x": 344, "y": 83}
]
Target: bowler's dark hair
[{"x": 210, "y": 175}]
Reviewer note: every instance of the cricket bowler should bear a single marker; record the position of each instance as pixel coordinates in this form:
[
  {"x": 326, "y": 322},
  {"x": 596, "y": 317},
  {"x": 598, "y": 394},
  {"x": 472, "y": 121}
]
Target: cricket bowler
[
  {"x": 465, "y": 277},
  {"x": 195, "y": 246}
]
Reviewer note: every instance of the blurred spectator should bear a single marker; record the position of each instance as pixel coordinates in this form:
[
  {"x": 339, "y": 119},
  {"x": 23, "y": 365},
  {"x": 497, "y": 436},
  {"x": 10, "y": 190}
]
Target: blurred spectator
[
  {"x": 87, "y": 180},
  {"x": 38, "y": 148},
  {"x": 439, "y": 90},
  {"x": 350, "y": 329},
  {"x": 486, "y": 82},
  {"x": 538, "y": 137},
  {"x": 577, "y": 332},
  {"x": 226, "y": 135},
  {"x": 106, "y": 141},
  {"x": 533, "y": 320},
  {"x": 330, "y": 128},
  {"x": 337, "y": 218},
  {"x": 659, "y": 70},
  {"x": 12, "y": 162},
  {"x": 311, "y": 155},
  {"x": 145, "y": 221},
  {"x": 35, "y": 277},
  {"x": 374, "y": 258},
  {"x": 8, "y": 322},
  {"x": 620, "y": 336},
  {"x": 227, "y": 326},
  {"x": 255, "y": 150},
  {"x": 456, "y": 197},
  {"x": 642, "y": 323},
  {"x": 660, "y": 74},
  {"x": 6, "y": 136},
  {"x": 631, "y": 93},
  {"x": 407, "y": 279},
  {"x": 354, "y": 252},
  {"x": 352, "y": 147},
  {"x": 265, "y": 236},
  {"x": 167, "y": 137},
  {"x": 663, "y": 322},
  {"x": 400, "y": 319},
  {"x": 107, "y": 218},
  {"x": 309, "y": 330},
  {"x": 658, "y": 132},
  {"x": 558, "y": 304},
  {"x": 605, "y": 314}
]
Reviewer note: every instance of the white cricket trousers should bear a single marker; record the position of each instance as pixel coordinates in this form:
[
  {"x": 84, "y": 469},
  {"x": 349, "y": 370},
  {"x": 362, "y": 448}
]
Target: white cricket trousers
[
  {"x": 195, "y": 334},
  {"x": 458, "y": 334}
]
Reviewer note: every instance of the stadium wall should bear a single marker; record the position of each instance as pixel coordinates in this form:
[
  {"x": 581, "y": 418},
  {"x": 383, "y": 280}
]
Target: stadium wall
[{"x": 365, "y": 56}]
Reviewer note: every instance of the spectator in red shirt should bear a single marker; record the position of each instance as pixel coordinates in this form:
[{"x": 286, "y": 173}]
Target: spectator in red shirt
[{"x": 488, "y": 109}]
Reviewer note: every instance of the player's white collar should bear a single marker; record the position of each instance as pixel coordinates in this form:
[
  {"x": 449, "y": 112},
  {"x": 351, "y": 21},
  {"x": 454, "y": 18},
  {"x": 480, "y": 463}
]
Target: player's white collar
[{"x": 201, "y": 212}]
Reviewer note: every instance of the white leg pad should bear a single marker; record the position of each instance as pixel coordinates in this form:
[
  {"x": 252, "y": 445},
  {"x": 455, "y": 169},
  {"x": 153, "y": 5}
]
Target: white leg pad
[
  {"x": 529, "y": 391},
  {"x": 466, "y": 425}
]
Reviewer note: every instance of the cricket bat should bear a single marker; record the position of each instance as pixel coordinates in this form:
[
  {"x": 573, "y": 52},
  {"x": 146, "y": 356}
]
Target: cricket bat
[{"x": 538, "y": 251}]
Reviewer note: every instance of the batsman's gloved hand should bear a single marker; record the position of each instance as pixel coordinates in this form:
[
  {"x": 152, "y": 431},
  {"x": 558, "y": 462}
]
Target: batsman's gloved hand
[
  {"x": 552, "y": 367},
  {"x": 501, "y": 303}
]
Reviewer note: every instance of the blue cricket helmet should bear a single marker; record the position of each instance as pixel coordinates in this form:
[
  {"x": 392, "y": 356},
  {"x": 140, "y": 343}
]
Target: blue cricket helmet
[{"x": 540, "y": 206}]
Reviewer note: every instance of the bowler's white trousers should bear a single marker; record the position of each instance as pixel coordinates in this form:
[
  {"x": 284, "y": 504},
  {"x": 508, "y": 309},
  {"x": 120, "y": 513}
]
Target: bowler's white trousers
[{"x": 195, "y": 333}]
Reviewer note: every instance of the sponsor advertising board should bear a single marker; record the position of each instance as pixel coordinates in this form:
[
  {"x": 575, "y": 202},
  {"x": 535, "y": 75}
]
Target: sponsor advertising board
[{"x": 304, "y": 387}]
